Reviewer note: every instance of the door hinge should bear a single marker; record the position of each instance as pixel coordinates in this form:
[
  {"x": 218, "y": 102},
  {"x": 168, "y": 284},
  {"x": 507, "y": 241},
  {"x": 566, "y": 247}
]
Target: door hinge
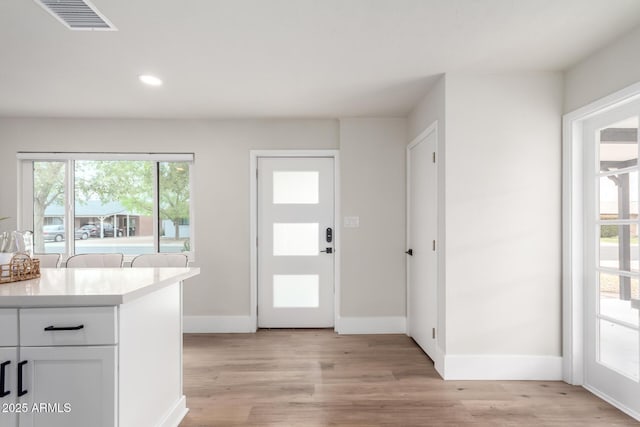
[
  {"x": 433, "y": 333},
  {"x": 434, "y": 157},
  {"x": 434, "y": 245}
]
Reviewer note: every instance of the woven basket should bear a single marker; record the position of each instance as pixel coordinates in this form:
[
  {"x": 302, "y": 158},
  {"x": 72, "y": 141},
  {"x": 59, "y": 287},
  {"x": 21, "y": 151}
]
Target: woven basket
[{"x": 21, "y": 267}]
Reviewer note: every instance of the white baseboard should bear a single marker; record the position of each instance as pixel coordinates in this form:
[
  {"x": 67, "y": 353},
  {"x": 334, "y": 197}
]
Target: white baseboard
[
  {"x": 613, "y": 402},
  {"x": 502, "y": 367},
  {"x": 372, "y": 325},
  {"x": 438, "y": 361},
  {"x": 176, "y": 414},
  {"x": 246, "y": 324},
  {"x": 218, "y": 324}
]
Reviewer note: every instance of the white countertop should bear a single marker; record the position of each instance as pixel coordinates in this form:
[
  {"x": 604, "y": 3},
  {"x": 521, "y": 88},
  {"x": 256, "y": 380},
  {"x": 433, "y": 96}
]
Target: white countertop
[{"x": 89, "y": 286}]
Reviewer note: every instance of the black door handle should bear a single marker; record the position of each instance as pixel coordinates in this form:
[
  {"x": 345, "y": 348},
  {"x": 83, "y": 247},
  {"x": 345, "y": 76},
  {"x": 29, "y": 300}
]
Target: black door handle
[
  {"x": 409, "y": 252},
  {"x": 328, "y": 251},
  {"x": 63, "y": 328},
  {"x": 3, "y": 365},
  {"x": 21, "y": 391}
]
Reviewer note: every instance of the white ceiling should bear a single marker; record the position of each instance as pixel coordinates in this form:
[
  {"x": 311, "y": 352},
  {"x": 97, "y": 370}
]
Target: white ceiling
[{"x": 283, "y": 58}]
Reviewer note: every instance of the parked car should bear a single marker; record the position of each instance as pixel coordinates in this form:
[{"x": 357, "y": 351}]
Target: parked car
[
  {"x": 108, "y": 230},
  {"x": 56, "y": 233},
  {"x": 93, "y": 230}
]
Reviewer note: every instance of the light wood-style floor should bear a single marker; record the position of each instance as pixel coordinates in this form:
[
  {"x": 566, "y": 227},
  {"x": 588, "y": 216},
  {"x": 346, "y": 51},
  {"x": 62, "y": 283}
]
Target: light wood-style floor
[{"x": 318, "y": 378}]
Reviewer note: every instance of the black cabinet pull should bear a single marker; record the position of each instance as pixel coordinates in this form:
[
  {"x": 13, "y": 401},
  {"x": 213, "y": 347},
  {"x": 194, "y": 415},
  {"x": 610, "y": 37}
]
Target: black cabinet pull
[
  {"x": 21, "y": 391},
  {"x": 3, "y": 365},
  {"x": 63, "y": 328}
]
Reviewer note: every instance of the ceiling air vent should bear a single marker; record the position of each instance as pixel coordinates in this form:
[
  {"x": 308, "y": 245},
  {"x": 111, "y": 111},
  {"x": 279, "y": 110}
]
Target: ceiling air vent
[{"x": 77, "y": 14}]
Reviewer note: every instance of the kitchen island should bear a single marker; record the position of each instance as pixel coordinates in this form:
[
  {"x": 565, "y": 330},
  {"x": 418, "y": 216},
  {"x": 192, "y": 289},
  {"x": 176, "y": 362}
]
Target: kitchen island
[{"x": 99, "y": 347}]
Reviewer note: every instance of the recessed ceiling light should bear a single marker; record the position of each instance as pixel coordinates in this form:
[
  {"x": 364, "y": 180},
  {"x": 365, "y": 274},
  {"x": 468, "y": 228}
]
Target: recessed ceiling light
[{"x": 150, "y": 80}]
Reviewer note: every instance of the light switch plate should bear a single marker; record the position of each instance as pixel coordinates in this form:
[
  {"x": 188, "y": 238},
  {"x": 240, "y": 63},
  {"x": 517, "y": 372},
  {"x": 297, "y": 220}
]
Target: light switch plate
[{"x": 351, "y": 222}]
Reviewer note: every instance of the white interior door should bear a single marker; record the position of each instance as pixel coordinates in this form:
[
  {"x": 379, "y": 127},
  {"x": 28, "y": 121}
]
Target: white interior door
[
  {"x": 421, "y": 238},
  {"x": 612, "y": 270},
  {"x": 295, "y": 242}
]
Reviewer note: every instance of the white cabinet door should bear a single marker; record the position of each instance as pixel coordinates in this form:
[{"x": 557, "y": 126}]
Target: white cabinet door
[
  {"x": 8, "y": 363},
  {"x": 68, "y": 386}
]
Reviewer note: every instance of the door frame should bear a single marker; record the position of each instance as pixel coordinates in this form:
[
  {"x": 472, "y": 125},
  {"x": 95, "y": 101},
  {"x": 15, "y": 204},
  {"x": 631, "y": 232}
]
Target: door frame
[
  {"x": 573, "y": 223},
  {"x": 254, "y": 155},
  {"x": 438, "y": 357}
]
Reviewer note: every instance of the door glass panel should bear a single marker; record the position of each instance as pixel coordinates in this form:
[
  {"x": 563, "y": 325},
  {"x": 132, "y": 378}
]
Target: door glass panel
[
  {"x": 295, "y": 187},
  {"x": 290, "y": 290},
  {"x": 612, "y": 206},
  {"x": 612, "y": 318},
  {"x": 619, "y": 145},
  {"x": 48, "y": 207},
  {"x": 619, "y": 348},
  {"x": 618, "y": 247},
  {"x": 614, "y": 301},
  {"x": 295, "y": 239}
]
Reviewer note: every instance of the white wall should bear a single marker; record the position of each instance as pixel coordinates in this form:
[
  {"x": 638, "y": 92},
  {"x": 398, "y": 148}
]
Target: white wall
[
  {"x": 429, "y": 109},
  {"x": 221, "y": 193},
  {"x": 372, "y": 157},
  {"x": 373, "y": 187},
  {"x": 503, "y": 213},
  {"x": 614, "y": 67},
  {"x": 500, "y": 222}
]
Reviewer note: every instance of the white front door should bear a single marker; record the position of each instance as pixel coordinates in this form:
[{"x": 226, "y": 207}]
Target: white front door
[
  {"x": 296, "y": 238},
  {"x": 612, "y": 299},
  {"x": 421, "y": 238}
]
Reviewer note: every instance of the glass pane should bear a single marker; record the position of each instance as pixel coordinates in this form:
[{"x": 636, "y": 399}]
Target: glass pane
[
  {"x": 295, "y": 187},
  {"x": 48, "y": 207},
  {"x": 175, "y": 227},
  {"x": 614, "y": 303},
  {"x": 619, "y": 247},
  {"x": 295, "y": 290},
  {"x": 619, "y": 145},
  {"x": 295, "y": 239},
  {"x": 611, "y": 205},
  {"x": 114, "y": 207},
  {"x": 619, "y": 348}
]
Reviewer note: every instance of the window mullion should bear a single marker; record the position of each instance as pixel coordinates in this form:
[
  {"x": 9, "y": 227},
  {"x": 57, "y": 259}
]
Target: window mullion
[
  {"x": 156, "y": 207},
  {"x": 70, "y": 195}
]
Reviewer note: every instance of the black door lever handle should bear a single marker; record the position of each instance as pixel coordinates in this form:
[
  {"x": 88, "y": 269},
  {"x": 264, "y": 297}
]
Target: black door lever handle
[
  {"x": 409, "y": 252},
  {"x": 328, "y": 251}
]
